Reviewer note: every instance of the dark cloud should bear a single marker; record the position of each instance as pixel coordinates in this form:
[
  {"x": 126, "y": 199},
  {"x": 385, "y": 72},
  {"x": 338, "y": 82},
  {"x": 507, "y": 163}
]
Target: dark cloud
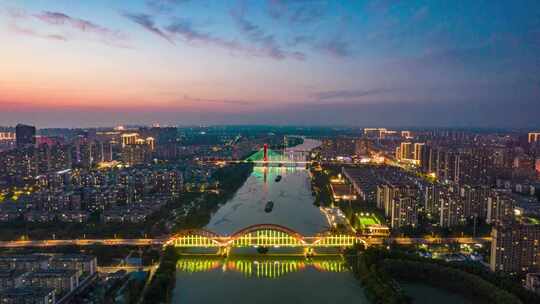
[
  {"x": 296, "y": 11},
  {"x": 421, "y": 14},
  {"x": 335, "y": 47},
  {"x": 348, "y": 94},
  {"x": 380, "y": 6},
  {"x": 307, "y": 14},
  {"x": 164, "y": 6},
  {"x": 257, "y": 35},
  {"x": 61, "y": 19},
  {"x": 29, "y": 32},
  {"x": 300, "y": 39},
  {"x": 18, "y": 18},
  {"x": 147, "y": 22},
  {"x": 184, "y": 29}
]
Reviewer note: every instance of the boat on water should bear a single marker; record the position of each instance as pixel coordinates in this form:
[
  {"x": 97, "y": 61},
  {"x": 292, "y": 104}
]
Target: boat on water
[
  {"x": 269, "y": 206},
  {"x": 278, "y": 178}
]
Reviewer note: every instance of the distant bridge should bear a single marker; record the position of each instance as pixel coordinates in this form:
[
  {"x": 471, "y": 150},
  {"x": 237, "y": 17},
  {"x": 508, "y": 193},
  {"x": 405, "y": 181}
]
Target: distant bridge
[{"x": 266, "y": 156}]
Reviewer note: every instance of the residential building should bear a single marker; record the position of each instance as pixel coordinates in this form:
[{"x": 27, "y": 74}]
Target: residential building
[
  {"x": 515, "y": 247},
  {"x": 28, "y": 295}
]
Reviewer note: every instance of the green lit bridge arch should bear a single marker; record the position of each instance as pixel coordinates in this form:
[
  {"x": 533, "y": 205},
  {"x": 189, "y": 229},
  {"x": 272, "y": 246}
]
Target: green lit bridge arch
[{"x": 261, "y": 235}]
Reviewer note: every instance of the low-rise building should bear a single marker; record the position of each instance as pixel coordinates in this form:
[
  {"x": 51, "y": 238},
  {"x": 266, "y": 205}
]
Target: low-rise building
[
  {"x": 85, "y": 265},
  {"x": 28, "y": 295},
  {"x": 62, "y": 280},
  {"x": 11, "y": 278},
  {"x": 30, "y": 262},
  {"x": 342, "y": 192}
]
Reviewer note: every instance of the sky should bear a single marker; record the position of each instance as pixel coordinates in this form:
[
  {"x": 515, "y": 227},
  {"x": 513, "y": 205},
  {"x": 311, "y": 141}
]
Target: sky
[{"x": 472, "y": 63}]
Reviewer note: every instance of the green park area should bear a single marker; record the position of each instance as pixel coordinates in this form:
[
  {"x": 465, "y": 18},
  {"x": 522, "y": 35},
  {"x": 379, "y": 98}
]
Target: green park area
[
  {"x": 366, "y": 219},
  {"x": 533, "y": 220}
]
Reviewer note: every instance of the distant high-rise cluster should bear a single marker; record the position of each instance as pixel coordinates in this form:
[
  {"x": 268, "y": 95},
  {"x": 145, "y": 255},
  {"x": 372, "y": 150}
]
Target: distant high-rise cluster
[
  {"x": 25, "y": 135},
  {"x": 452, "y": 179},
  {"x": 534, "y": 137}
]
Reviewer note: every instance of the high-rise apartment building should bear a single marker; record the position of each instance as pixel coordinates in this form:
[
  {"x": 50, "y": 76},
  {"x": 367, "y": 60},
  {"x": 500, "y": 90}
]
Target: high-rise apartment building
[
  {"x": 500, "y": 207},
  {"x": 534, "y": 137},
  {"x": 406, "y": 150},
  {"x": 418, "y": 151},
  {"x": 404, "y": 212},
  {"x": 515, "y": 247},
  {"x": 451, "y": 212},
  {"x": 374, "y": 132},
  {"x": 474, "y": 200},
  {"x": 129, "y": 139},
  {"x": 25, "y": 135}
]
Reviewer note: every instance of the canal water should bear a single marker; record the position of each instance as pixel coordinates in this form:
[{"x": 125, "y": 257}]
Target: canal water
[
  {"x": 268, "y": 279},
  {"x": 292, "y": 197},
  {"x": 260, "y": 279}
]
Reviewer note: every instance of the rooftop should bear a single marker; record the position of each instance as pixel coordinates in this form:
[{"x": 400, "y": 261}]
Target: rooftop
[
  {"x": 26, "y": 292},
  {"x": 71, "y": 257},
  {"x": 25, "y": 258},
  {"x": 53, "y": 273},
  {"x": 11, "y": 273}
]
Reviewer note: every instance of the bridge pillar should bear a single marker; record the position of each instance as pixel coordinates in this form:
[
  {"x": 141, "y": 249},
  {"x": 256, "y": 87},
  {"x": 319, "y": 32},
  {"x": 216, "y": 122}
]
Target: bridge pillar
[
  {"x": 309, "y": 252},
  {"x": 224, "y": 251}
]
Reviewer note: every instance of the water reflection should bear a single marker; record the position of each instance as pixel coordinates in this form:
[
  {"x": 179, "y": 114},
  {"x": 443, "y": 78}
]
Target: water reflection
[
  {"x": 260, "y": 267},
  {"x": 268, "y": 174}
]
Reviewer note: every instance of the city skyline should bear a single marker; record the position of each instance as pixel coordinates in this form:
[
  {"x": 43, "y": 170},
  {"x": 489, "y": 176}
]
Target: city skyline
[
  {"x": 391, "y": 63},
  {"x": 240, "y": 151}
]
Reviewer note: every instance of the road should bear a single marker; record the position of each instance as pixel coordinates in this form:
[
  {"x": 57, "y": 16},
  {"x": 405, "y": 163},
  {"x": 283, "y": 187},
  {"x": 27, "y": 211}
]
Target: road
[
  {"x": 162, "y": 241},
  {"x": 429, "y": 240},
  {"x": 82, "y": 242}
]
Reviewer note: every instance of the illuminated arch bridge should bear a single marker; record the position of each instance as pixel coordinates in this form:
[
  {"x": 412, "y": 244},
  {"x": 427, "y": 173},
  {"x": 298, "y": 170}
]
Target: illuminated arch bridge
[{"x": 261, "y": 235}]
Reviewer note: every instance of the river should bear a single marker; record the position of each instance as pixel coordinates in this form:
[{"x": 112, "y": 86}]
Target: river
[{"x": 268, "y": 279}]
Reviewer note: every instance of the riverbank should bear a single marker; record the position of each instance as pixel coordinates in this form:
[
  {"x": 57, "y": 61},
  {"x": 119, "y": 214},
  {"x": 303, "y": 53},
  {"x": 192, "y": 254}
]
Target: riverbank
[
  {"x": 379, "y": 271},
  {"x": 229, "y": 179}
]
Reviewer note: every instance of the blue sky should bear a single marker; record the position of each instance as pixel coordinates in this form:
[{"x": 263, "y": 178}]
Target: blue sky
[{"x": 378, "y": 62}]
